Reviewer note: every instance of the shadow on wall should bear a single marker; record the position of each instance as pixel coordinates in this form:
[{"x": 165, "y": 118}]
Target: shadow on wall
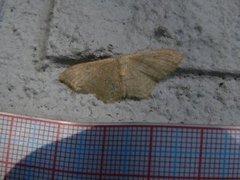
[
  {"x": 124, "y": 154},
  {"x": 81, "y": 157}
]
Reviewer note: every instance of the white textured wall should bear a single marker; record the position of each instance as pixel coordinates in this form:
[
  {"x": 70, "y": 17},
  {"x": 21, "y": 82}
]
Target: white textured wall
[{"x": 39, "y": 39}]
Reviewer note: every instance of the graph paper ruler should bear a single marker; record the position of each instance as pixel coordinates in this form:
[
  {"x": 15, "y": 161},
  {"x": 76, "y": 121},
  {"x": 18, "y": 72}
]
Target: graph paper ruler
[{"x": 32, "y": 148}]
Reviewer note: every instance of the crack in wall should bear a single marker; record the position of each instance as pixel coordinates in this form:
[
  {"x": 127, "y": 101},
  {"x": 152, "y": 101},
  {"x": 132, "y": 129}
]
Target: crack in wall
[
  {"x": 2, "y": 2},
  {"x": 87, "y": 57},
  {"x": 42, "y": 62},
  {"x": 202, "y": 72},
  {"x": 179, "y": 72},
  {"x": 47, "y": 30}
]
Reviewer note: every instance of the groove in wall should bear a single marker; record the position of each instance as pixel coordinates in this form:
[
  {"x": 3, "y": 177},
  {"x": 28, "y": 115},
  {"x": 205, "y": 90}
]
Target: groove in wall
[{"x": 211, "y": 73}]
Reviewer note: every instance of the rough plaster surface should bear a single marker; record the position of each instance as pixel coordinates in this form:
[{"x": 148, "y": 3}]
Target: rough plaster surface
[{"x": 205, "y": 30}]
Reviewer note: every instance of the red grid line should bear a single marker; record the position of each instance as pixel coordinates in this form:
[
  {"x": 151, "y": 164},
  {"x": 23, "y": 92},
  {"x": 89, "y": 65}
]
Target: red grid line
[
  {"x": 4, "y": 162},
  {"x": 120, "y": 125},
  {"x": 55, "y": 152},
  {"x": 200, "y": 155},
  {"x": 8, "y": 146},
  {"x": 123, "y": 175},
  {"x": 150, "y": 153},
  {"x": 101, "y": 173}
]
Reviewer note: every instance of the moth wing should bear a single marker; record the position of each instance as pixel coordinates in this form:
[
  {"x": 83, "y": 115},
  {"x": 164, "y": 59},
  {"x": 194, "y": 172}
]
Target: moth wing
[
  {"x": 144, "y": 70},
  {"x": 100, "y": 78}
]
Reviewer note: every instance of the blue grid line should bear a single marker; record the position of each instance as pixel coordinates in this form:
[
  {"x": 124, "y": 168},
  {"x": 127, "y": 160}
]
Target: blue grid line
[
  {"x": 25, "y": 142},
  {"x": 71, "y": 148},
  {"x": 175, "y": 150},
  {"x": 30, "y": 174},
  {"x": 119, "y": 149},
  {"x": 155, "y": 152},
  {"x": 220, "y": 152},
  {"x": 125, "y": 158},
  {"x": 3, "y": 138},
  {"x": 18, "y": 141},
  {"x": 195, "y": 152},
  {"x": 33, "y": 140},
  {"x": 81, "y": 149},
  {"x": 225, "y": 154}
]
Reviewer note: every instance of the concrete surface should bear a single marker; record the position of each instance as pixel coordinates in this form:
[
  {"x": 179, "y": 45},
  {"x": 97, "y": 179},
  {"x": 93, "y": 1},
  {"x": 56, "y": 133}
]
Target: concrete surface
[
  {"x": 39, "y": 39},
  {"x": 206, "y": 31}
]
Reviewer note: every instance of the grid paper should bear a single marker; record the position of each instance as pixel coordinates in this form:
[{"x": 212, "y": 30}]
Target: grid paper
[{"x": 32, "y": 148}]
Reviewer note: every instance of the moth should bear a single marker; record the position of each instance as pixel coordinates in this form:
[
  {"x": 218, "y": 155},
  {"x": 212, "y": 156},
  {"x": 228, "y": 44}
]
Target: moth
[{"x": 130, "y": 76}]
